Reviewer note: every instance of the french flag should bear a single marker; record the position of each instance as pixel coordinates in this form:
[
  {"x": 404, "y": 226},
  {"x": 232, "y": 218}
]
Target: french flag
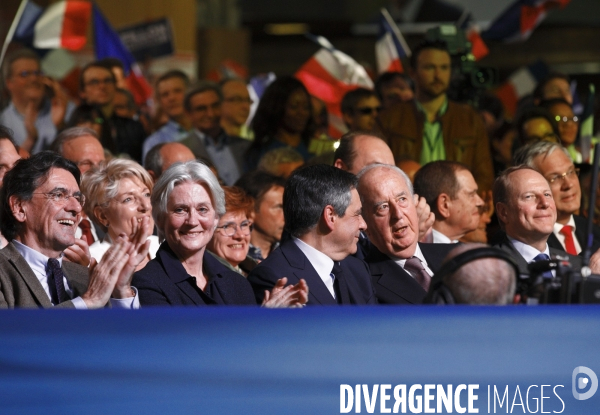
[
  {"x": 391, "y": 47},
  {"x": 61, "y": 25},
  {"x": 520, "y": 19},
  {"x": 522, "y": 82},
  {"x": 328, "y": 75},
  {"x": 108, "y": 44}
]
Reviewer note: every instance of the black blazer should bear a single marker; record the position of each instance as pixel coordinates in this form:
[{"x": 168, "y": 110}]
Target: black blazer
[
  {"x": 580, "y": 231},
  {"x": 289, "y": 261},
  {"x": 164, "y": 281},
  {"x": 392, "y": 284}
]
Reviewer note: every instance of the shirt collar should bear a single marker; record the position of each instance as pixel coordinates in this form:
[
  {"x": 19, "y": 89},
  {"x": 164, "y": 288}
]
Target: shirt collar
[
  {"x": 417, "y": 253},
  {"x": 441, "y": 111},
  {"x": 320, "y": 262},
  {"x": 219, "y": 142},
  {"x": 558, "y": 226},
  {"x": 440, "y": 238},
  {"x": 37, "y": 261},
  {"x": 528, "y": 252}
]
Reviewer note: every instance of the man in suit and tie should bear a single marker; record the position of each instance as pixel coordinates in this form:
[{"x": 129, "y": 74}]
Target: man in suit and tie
[
  {"x": 40, "y": 206},
  {"x": 322, "y": 213},
  {"x": 208, "y": 140},
  {"x": 527, "y": 213},
  {"x": 400, "y": 267},
  {"x": 554, "y": 163}
]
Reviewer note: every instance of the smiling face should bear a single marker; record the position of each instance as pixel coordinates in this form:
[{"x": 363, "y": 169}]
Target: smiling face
[
  {"x": 530, "y": 213},
  {"x": 190, "y": 220},
  {"x": 25, "y": 81},
  {"x": 232, "y": 248},
  {"x": 297, "y": 112},
  {"x": 205, "y": 112},
  {"x": 566, "y": 191},
  {"x": 236, "y": 102},
  {"x": 132, "y": 201},
  {"x": 347, "y": 229},
  {"x": 390, "y": 212},
  {"x": 49, "y": 226},
  {"x": 171, "y": 93},
  {"x": 567, "y": 129}
]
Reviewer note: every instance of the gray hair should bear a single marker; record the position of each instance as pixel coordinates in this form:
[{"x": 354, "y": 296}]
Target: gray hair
[
  {"x": 389, "y": 167},
  {"x": 101, "y": 184},
  {"x": 489, "y": 281},
  {"x": 527, "y": 154},
  {"x": 188, "y": 172},
  {"x": 70, "y": 134}
]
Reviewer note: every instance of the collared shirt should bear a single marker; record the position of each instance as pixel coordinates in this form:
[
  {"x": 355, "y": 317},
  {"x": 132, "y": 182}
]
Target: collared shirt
[
  {"x": 433, "y": 140},
  {"x": 168, "y": 133},
  {"x": 440, "y": 238},
  {"x": 320, "y": 262},
  {"x": 419, "y": 255},
  {"x": 561, "y": 237},
  {"x": 38, "y": 263},
  {"x": 221, "y": 155},
  {"x": 46, "y": 129},
  {"x": 528, "y": 252}
]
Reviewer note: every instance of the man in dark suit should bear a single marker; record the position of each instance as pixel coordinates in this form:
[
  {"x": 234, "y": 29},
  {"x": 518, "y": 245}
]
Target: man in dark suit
[
  {"x": 323, "y": 215},
  {"x": 554, "y": 163},
  {"x": 208, "y": 140},
  {"x": 527, "y": 214},
  {"x": 400, "y": 267},
  {"x": 40, "y": 207}
]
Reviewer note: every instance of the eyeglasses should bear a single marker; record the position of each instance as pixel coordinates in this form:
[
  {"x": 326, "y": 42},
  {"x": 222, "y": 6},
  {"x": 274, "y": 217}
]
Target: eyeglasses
[
  {"x": 562, "y": 177},
  {"x": 239, "y": 100},
  {"x": 565, "y": 119},
  {"x": 97, "y": 82},
  {"x": 231, "y": 228},
  {"x": 62, "y": 196},
  {"x": 27, "y": 74},
  {"x": 368, "y": 110}
]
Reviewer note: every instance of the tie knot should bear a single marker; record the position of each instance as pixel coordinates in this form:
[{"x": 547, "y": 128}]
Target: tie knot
[
  {"x": 336, "y": 268},
  {"x": 414, "y": 264},
  {"x": 541, "y": 257},
  {"x": 53, "y": 263},
  {"x": 567, "y": 230},
  {"x": 85, "y": 224}
]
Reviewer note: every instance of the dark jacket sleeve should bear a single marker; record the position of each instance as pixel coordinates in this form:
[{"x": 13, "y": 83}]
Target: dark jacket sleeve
[
  {"x": 147, "y": 282},
  {"x": 262, "y": 278}
]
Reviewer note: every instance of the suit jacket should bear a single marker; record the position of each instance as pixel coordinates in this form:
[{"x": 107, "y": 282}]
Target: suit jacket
[
  {"x": 508, "y": 247},
  {"x": 19, "y": 287},
  {"x": 237, "y": 145},
  {"x": 580, "y": 234},
  {"x": 392, "y": 284},
  {"x": 165, "y": 282},
  {"x": 289, "y": 261}
]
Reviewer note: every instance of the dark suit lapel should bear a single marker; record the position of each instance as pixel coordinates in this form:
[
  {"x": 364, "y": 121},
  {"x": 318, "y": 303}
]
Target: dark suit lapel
[
  {"x": 177, "y": 274},
  {"x": 318, "y": 292},
  {"x": 391, "y": 276},
  {"x": 24, "y": 270},
  {"x": 508, "y": 247}
]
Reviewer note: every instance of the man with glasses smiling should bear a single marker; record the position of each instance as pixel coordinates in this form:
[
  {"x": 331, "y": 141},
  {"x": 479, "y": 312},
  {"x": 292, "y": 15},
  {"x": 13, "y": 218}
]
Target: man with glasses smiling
[
  {"x": 97, "y": 86},
  {"x": 40, "y": 206},
  {"x": 38, "y": 106},
  {"x": 360, "y": 108},
  {"x": 553, "y": 162}
]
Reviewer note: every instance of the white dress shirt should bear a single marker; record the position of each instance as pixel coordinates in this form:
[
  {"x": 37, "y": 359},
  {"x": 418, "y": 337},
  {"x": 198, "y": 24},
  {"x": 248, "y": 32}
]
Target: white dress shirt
[
  {"x": 440, "y": 238},
  {"x": 38, "y": 263},
  {"x": 320, "y": 262},
  {"x": 528, "y": 252},
  {"x": 561, "y": 237},
  {"x": 419, "y": 255}
]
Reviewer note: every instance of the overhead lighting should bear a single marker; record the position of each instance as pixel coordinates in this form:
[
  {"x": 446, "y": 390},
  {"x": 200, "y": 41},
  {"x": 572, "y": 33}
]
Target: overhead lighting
[{"x": 286, "y": 29}]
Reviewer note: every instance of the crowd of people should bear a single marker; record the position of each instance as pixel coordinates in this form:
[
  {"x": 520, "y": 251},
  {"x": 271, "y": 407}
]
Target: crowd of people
[{"x": 103, "y": 205}]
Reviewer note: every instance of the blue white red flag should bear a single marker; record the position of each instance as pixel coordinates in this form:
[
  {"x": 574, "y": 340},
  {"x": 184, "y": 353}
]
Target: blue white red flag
[
  {"x": 108, "y": 44},
  {"x": 390, "y": 47},
  {"x": 519, "y": 84},
  {"x": 520, "y": 19}
]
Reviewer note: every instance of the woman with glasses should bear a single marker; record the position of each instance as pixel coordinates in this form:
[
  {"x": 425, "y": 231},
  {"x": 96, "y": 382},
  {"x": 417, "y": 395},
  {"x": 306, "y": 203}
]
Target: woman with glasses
[
  {"x": 117, "y": 198},
  {"x": 187, "y": 205},
  {"x": 231, "y": 240}
]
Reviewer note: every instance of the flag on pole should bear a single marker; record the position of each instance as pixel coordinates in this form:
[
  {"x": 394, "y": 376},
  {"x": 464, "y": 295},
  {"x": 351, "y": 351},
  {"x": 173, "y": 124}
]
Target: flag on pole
[
  {"x": 108, "y": 44},
  {"x": 520, "y": 19},
  {"x": 328, "y": 75},
  {"x": 519, "y": 84},
  {"x": 390, "y": 47},
  {"x": 63, "y": 25}
]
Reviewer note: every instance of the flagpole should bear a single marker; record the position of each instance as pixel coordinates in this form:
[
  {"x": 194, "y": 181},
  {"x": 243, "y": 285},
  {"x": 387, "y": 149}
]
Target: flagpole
[
  {"x": 396, "y": 31},
  {"x": 13, "y": 29}
]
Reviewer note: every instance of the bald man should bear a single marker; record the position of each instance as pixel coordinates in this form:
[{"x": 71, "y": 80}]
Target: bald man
[{"x": 162, "y": 156}]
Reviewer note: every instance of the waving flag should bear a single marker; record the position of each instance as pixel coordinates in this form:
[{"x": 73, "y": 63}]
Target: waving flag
[
  {"x": 519, "y": 20},
  {"x": 108, "y": 44},
  {"x": 328, "y": 75},
  {"x": 519, "y": 84},
  {"x": 391, "y": 47}
]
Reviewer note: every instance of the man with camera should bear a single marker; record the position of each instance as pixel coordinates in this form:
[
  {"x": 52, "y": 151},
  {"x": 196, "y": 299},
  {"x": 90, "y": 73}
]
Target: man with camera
[{"x": 431, "y": 127}]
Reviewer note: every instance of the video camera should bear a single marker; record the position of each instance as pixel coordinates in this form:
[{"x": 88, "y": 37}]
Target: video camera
[{"x": 468, "y": 81}]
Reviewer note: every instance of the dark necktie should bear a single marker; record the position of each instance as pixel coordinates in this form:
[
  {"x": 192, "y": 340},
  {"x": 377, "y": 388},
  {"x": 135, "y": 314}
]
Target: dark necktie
[
  {"x": 55, "y": 282},
  {"x": 567, "y": 231},
  {"x": 416, "y": 269},
  {"x": 543, "y": 257},
  {"x": 86, "y": 230},
  {"x": 339, "y": 284}
]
